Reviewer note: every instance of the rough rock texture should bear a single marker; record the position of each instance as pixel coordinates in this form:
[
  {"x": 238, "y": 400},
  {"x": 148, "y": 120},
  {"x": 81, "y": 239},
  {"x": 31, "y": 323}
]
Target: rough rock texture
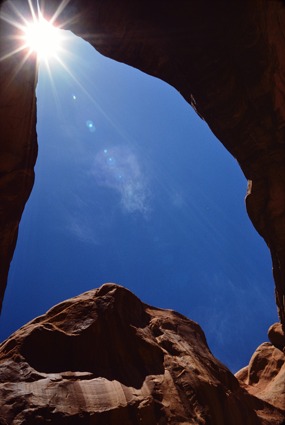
[
  {"x": 276, "y": 336},
  {"x": 264, "y": 377},
  {"x": 227, "y": 60},
  {"x": 104, "y": 357}
]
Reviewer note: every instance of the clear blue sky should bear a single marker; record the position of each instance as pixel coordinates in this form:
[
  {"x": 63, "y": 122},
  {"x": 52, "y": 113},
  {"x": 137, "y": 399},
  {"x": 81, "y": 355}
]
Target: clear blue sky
[{"x": 132, "y": 187}]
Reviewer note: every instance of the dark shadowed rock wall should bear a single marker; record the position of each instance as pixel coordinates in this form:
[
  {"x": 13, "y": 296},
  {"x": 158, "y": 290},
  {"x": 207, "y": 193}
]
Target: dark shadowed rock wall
[
  {"x": 18, "y": 145},
  {"x": 104, "y": 357},
  {"x": 225, "y": 57}
]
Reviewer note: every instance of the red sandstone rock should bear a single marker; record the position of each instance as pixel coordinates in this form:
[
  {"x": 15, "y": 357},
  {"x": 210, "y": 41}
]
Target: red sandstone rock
[
  {"x": 104, "y": 357},
  {"x": 264, "y": 377},
  {"x": 276, "y": 336}
]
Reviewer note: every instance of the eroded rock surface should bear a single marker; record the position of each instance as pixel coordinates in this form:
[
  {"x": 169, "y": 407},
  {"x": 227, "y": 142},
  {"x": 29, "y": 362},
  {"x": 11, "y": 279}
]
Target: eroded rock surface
[
  {"x": 104, "y": 357},
  {"x": 264, "y": 377}
]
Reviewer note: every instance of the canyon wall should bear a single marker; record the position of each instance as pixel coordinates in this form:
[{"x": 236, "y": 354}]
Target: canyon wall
[
  {"x": 18, "y": 147},
  {"x": 225, "y": 58},
  {"x": 105, "y": 357}
]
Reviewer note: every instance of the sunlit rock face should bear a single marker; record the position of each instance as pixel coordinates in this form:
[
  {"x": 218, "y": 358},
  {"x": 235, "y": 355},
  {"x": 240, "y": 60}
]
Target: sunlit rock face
[
  {"x": 104, "y": 357},
  {"x": 264, "y": 377},
  {"x": 227, "y": 60}
]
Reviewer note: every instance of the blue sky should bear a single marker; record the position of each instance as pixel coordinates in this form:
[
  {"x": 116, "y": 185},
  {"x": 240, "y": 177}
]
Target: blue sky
[{"x": 133, "y": 188}]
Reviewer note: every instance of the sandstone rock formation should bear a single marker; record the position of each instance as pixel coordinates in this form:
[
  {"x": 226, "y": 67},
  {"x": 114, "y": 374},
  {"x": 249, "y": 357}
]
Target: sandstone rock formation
[
  {"x": 276, "y": 336},
  {"x": 227, "y": 60},
  {"x": 104, "y": 357},
  {"x": 18, "y": 147},
  {"x": 264, "y": 377}
]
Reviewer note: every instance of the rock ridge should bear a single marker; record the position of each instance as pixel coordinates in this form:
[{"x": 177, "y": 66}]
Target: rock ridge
[{"x": 104, "y": 357}]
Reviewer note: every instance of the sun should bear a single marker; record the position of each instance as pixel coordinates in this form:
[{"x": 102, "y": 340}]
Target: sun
[
  {"x": 43, "y": 38},
  {"x": 32, "y": 32}
]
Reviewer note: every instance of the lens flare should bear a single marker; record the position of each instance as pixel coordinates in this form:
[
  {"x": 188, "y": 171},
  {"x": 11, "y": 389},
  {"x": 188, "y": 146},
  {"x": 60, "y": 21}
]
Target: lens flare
[
  {"x": 43, "y": 38},
  {"x": 30, "y": 31}
]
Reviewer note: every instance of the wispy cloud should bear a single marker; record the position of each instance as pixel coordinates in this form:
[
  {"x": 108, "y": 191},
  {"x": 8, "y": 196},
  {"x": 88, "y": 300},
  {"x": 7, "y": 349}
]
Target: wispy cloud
[
  {"x": 118, "y": 168},
  {"x": 81, "y": 230}
]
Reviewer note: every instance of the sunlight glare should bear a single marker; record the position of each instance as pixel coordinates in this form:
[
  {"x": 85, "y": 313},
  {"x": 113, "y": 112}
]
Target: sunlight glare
[
  {"x": 29, "y": 32},
  {"x": 43, "y": 38}
]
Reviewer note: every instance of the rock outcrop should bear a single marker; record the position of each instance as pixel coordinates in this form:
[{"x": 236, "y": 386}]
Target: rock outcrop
[
  {"x": 226, "y": 59},
  {"x": 104, "y": 357},
  {"x": 264, "y": 377}
]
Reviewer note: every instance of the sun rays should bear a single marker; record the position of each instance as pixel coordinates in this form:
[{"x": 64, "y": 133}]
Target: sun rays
[
  {"x": 30, "y": 34},
  {"x": 43, "y": 38}
]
